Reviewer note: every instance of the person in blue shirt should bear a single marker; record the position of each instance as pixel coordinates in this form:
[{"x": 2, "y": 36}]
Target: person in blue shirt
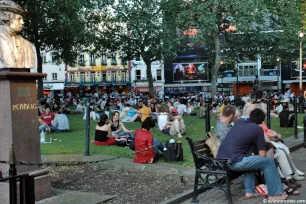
[
  {"x": 243, "y": 139},
  {"x": 60, "y": 122}
]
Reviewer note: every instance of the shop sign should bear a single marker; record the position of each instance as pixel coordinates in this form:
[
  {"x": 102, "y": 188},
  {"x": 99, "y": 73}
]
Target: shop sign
[{"x": 99, "y": 68}]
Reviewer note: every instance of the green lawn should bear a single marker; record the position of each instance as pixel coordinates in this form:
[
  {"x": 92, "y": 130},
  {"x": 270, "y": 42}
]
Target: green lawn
[{"x": 73, "y": 142}]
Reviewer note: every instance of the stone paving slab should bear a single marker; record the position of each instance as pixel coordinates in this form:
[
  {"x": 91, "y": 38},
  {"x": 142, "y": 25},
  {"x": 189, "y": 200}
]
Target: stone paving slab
[{"x": 75, "y": 197}]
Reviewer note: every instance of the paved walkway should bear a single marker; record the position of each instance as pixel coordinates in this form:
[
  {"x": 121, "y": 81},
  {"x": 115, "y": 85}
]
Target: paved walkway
[{"x": 75, "y": 197}]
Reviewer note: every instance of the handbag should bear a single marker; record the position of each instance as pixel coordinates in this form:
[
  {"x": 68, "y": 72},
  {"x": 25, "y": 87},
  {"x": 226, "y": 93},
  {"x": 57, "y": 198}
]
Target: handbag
[
  {"x": 124, "y": 141},
  {"x": 174, "y": 152}
]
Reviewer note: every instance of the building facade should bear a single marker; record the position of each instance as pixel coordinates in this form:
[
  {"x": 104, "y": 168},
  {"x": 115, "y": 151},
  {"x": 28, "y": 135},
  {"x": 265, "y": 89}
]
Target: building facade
[
  {"x": 54, "y": 82},
  {"x": 98, "y": 74},
  {"x": 139, "y": 77}
]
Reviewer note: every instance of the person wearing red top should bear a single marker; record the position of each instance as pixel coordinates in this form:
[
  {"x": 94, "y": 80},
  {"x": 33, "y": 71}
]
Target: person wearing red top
[
  {"x": 47, "y": 116},
  {"x": 144, "y": 139}
]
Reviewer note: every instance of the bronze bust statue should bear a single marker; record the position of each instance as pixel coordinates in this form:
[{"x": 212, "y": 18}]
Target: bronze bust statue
[{"x": 15, "y": 51}]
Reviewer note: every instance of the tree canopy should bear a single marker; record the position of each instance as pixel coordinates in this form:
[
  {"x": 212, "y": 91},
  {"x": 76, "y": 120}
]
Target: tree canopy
[
  {"x": 138, "y": 28},
  {"x": 248, "y": 27},
  {"x": 64, "y": 27}
]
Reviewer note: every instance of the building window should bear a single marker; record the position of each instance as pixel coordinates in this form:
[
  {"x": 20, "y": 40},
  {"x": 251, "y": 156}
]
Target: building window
[
  {"x": 44, "y": 58},
  {"x": 103, "y": 76},
  {"x": 138, "y": 74},
  {"x": 92, "y": 60},
  {"x": 103, "y": 60},
  {"x": 53, "y": 59},
  {"x": 71, "y": 77},
  {"x": 45, "y": 78},
  {"x": 82, "y": 60},
  {"x": 114, "y": 60},
  {"x": 158, "y": 74},
  {"x": 54, "y": 76}
]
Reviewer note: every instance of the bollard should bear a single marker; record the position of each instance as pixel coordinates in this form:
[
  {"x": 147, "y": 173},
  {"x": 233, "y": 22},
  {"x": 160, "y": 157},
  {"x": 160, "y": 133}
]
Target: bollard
[
  {"x": 12, "y": 173},
  {"x": 87, "y": 127},
  {"x": 269, "y": 112},
  {"x": 295, "y": 118}
]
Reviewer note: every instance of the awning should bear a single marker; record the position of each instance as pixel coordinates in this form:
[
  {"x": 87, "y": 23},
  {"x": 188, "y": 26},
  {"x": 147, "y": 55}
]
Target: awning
[
  {"x": 55, "y": 86},
  {"x": 140, "y": 89},
  {"x": 145, "y": 89}
]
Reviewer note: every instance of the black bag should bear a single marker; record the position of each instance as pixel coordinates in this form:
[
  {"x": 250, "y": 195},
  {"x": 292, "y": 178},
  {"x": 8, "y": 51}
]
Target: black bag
[
  {"x": 124, "y": 141},
  {"x": 132, "y": 144},
  {"x": 174, "y": 152}
]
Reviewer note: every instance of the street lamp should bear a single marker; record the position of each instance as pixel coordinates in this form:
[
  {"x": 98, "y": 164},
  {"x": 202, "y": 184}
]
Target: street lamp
[
  {"x": 279, "y": 84},
  {"x": 301, "y": 36}
]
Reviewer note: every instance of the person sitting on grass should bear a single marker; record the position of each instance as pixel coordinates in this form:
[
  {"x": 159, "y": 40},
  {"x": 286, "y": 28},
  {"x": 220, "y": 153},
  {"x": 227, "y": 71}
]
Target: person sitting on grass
[
  {"x": 47, "y": 116},
  {"x": 118, "y": 128},
  {"x": 286, "y": 118},
  {"x": 43, "y": 126},
  {"x": 177, "y": 127},
  {"x": 144, "y": 139},
  {"x": 60, "y": 122},
  {"x": 92, "y": 115},
  {"x": 103, "y": 133}
]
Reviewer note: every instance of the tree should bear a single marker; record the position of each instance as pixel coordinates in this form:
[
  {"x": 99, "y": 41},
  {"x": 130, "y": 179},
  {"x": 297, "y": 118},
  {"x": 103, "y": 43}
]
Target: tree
[
  {"x": 248, "y": 27},
  {"x": 138, "y": 28},
  {"x": 63, "y": 26}
]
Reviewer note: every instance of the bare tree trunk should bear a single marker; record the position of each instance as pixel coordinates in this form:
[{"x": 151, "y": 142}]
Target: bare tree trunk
[
  {"x": 40, "y": 85},
  {"x": 214, "y": 72},
  {"x": 150, "y": 79}
]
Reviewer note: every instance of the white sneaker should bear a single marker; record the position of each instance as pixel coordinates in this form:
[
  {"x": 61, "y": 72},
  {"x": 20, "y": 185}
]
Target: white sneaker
[
  {"x": 300, "y": 173},
  {"x": 298, "y": 178}
]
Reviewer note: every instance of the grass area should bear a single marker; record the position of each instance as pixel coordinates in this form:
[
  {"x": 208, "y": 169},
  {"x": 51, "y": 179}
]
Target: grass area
[{"x": 73, "y": 142}]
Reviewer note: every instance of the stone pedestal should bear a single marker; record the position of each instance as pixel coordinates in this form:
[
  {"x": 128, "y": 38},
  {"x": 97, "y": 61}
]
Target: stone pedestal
[{"x": 19, "y": 120}]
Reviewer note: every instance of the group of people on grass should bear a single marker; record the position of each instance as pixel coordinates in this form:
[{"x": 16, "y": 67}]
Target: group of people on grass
[{"x": 52, "y": 121}]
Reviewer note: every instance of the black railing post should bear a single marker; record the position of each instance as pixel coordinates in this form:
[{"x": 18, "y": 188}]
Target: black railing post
[
  {"x": 269, "y": 112},
  {"x": 295, "y": 118},
  {"x": 301, "y": 100},
  {"x": 207, "y": 118},
  {"x": 87, "y": 126},
  {"x": 30, "y": 189},
  {"x": 12, "y": 173}
]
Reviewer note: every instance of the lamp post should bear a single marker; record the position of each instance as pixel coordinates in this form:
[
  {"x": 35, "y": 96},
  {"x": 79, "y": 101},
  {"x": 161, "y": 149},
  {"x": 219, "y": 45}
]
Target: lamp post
[
  {"x": 279, "y": 73},
  {"x": 301, "y": 36}
]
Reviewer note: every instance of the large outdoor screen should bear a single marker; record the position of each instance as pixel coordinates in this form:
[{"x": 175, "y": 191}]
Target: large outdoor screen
[{"x": 197, "y": 71}]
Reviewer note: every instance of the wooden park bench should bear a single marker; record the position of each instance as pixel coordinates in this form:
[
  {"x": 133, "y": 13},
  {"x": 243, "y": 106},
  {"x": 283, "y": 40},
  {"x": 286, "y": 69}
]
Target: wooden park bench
[{"x": 207, "y": 167}]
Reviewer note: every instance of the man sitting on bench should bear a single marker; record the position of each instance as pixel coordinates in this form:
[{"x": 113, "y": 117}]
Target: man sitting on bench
[{"x": 239, "y": 144}]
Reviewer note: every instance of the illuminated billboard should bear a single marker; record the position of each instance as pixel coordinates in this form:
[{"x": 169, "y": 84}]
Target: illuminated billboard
[{"x": 197, "y": 71}]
